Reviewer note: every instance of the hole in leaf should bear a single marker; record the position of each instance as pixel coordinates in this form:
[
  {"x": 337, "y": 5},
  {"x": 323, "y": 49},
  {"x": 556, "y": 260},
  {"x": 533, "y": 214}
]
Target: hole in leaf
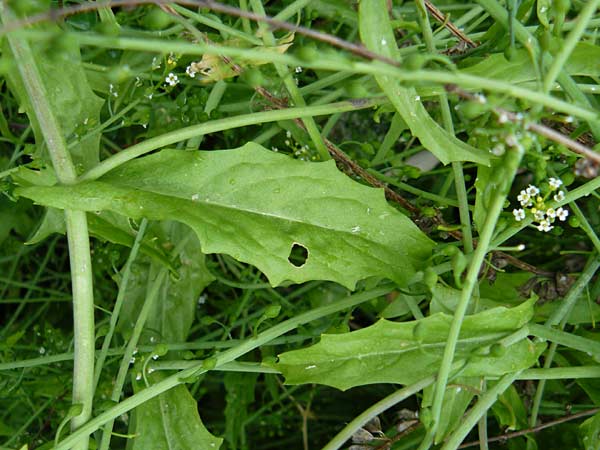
[{"x": 298, "y": 255}]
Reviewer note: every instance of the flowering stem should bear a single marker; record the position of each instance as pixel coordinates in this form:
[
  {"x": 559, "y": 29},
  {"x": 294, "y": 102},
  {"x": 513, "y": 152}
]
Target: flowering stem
[{"x": 511, "y": 162}]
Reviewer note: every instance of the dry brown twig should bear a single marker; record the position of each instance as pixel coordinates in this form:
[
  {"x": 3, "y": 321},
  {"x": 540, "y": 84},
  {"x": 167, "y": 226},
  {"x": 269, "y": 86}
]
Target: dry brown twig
[
  {"x": 443, "y": 19},
  {"x": 535, "y": 429}
]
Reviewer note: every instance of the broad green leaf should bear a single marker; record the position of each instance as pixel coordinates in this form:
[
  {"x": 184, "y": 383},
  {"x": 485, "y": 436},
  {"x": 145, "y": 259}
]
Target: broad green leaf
[
  {"x": 170, "y": 422},
  {"x": 378, "y": 36},
  {"x": 174, "y": 312},
  {"x": 76, "y": 106},
  {"x": 391, "y": 352},
  {"x": 258, "y": 206}
]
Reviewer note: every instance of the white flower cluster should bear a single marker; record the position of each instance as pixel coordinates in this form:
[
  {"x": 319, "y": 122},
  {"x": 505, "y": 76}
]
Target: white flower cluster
[
  {"x": 531, "y": 200},
  {"x": 172, "y": 79}
]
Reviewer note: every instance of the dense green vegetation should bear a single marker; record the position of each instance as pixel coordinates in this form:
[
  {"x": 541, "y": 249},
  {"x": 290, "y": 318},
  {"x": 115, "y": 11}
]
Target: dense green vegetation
[{"x": 299, "y": 224}]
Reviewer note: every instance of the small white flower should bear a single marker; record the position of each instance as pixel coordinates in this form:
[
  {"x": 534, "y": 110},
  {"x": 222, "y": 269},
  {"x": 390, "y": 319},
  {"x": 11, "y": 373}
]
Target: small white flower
[
  {"x": 538, "y": 214},
  {"x": 544, "y": 226},
  {"x": 172, "y": 79},
  {"x": 562, "y": 214},
  {"x": 190, "y": 71},
  {"x": 551, "y": 213},
  {"x": 298, "y": 69},
  {"x": 559, "y": 196},
  {"x": 524, "y": 198},
  {"x": 555, "y": 183},
  {"x": 288, "y": 134},
  {"x": 532, "y": 190},
  {"x": 519, "y": 214}
]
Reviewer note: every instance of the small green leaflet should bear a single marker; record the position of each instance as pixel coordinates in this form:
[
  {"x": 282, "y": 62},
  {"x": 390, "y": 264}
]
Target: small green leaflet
[
  {"x": 405, "y": 352},
  {"x": 257, "y": 205}
]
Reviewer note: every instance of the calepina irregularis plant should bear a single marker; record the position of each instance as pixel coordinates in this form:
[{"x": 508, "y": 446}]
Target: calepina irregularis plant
[{"x": 293, "y": 212}]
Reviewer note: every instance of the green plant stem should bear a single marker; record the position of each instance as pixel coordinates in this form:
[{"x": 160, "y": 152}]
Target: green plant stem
[
  {"x": 220, "y": 26},
  {"x": 566, "y": 339},
  {"x": 568, "y": 45},
  {"x": 373, "y": 411},
  {"x": 290, "y": 83},
  {"x": 585, "y": 226},
  {"x": 114, "y": 317},
  {"x": 292, "y": 9},
  {"x": 559, "y": 317},
  {"x": 511, "y": 164},
  {"x": 83, "y": 316},
  {"x": 457, "y": 169},
  {"x": 220, "y": 359},
  {"x": 373, "y": 68},
  {"x": 224, "y": 124},
  {"x": 153, "y": 291},
  {"x": 485, "y": 403},
  {"x": 561, "y": 373},
  {"x": 77, "y": 231}
]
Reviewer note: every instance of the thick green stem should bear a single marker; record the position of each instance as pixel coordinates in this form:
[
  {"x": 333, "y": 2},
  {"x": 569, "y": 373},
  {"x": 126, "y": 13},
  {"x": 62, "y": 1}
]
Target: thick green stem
[
  {"x": 509, "y": 169},
  {"x": 77, "y": 230}
]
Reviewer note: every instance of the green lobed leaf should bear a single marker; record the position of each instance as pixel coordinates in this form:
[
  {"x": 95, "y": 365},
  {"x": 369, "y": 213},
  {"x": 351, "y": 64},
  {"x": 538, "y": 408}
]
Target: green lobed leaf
[
  {"x": 378, "y": 36},
  {"x": 257, "y": 205},
  {"x": 391, "y": 352}
]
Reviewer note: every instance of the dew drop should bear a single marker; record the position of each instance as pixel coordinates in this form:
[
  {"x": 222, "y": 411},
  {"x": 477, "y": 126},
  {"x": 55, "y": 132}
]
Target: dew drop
[
  {"x": 195, "y": 197},
  {"x": 276, "y": 190},
  {"x": 383, "y": 41},
  {"x": 42, "y": 350},
  {"x": 138, "y": 376},
  {"x": 355, "y": 229},
  {"x": 232, "y": 181},
  {"x": 310, "y": 367}
]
